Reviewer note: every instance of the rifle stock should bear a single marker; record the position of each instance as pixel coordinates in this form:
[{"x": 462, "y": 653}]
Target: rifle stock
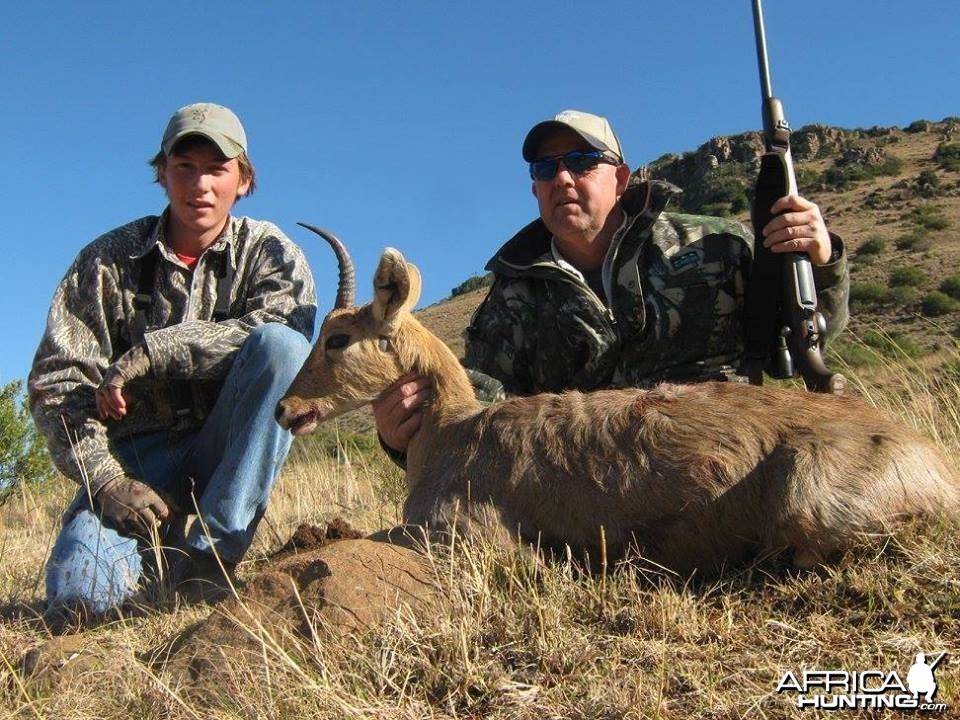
[{"x": 783, "y": 326}]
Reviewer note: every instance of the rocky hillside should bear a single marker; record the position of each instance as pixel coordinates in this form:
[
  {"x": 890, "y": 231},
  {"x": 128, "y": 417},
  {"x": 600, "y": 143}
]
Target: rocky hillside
[{"x": 892, "y": 194}]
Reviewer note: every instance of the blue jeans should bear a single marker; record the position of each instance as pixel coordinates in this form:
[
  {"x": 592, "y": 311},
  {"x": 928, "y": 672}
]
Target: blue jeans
[{"x": 232, "y": 462}]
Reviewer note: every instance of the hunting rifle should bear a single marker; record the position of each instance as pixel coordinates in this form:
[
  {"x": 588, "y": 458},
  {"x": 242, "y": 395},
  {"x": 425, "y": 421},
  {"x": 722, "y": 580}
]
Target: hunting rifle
[{"x": 784, "y": 329}]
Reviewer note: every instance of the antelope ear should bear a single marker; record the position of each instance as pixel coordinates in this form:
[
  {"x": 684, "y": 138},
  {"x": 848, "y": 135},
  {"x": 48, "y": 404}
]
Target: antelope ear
[
  {"x": 396, "y": 287},
  {"x": 413, "y": 297}
]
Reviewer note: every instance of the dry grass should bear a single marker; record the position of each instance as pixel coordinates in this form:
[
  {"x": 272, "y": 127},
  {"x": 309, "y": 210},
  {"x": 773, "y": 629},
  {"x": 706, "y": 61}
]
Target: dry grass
[
  {"x": 515, "y": 639},
  {"x": 924, "y": 391}
]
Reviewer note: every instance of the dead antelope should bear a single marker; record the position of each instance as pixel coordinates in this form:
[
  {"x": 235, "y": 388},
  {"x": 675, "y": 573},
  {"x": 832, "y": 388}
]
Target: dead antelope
[{"x": 695, "y": 476}]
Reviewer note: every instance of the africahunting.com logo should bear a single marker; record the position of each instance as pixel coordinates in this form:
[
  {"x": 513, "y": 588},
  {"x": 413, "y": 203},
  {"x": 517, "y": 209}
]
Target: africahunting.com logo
[{"x": 874, "y": 689}]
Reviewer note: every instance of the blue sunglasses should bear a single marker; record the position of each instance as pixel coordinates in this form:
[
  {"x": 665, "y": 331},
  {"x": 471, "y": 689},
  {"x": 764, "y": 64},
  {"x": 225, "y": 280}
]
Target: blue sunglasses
[{"x": 578, "y": 162}]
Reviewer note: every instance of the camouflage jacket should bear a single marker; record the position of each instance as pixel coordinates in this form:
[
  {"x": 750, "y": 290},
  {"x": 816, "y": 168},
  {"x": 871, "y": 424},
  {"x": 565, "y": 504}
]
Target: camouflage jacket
[
  {"x": 91, "y": 324},
  {"x": 675, "y": 293}
]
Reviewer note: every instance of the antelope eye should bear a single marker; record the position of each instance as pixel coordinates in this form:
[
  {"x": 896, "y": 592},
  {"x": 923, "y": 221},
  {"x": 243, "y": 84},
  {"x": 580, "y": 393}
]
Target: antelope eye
[{"x": 337, "y": 342}]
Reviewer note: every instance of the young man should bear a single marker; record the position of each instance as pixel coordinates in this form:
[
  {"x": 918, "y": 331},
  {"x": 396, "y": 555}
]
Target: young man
[
  {"x": 607, "y": 289},
  {"x": 168, "y": 344}
]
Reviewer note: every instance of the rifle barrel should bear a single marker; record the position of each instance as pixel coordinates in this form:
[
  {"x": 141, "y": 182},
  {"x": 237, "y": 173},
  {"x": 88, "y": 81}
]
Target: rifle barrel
[
  {"x": 761, "y": 38},
  {"x": 937, "y": 661}
]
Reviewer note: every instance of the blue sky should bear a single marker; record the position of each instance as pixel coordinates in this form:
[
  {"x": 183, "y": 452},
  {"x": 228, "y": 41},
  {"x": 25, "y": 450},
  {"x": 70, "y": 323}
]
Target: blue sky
[{"x": 401, "y": 123}]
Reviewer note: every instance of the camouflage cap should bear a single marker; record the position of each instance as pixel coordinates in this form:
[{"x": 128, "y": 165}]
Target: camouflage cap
[
  {"x": 593, "y": 129},
  {"x": 214, "y": 122}
]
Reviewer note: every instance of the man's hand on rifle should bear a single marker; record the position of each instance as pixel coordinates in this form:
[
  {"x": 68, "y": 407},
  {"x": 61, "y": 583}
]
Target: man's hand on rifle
[
  {"x": 798, "y": 227},
  {"x": 132, "y": 364}
]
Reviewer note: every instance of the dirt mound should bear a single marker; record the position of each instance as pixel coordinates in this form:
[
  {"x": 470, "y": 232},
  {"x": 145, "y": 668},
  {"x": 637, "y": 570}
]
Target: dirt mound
[
  {"x": 323, "y": 581},
  {"x": 311, "y": 537}
]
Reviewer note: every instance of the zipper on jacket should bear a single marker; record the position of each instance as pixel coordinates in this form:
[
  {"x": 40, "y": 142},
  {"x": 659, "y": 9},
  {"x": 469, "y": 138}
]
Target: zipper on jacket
[
  {"x": 576, "y": 280},
  {"x": 600, "y": 305}
]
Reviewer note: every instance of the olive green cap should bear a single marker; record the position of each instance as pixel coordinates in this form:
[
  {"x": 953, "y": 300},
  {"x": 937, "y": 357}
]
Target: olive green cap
[{"x": 214, "y": 122}]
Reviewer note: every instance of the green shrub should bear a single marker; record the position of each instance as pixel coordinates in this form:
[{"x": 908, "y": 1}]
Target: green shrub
[
  {"x": 876, "y": 339},
  {"x": 891, "y": 167},
  {"x": 929, "y": 217},
  {"x": 917, "y": 126},
  {"x": 842, "y": 176},
  {"x": 717, "y": 209},
  {"x": 873, "y": 245},
  {"x": 722, "y": 191},
  {"x": 23, "y": 452},
  {"x": 928, "y": 183},
  {"x": 907, "y": 276},
  {"x": 904, "y": 296},
  {"x": 951, "y": 287},
  {"x": 739, "y": 203},
  {"x": 893, "y": 344},
  {"x": 914, "y": 241},
  {"x": 853, "y": 354},
  {"x": 936, "y": 303},
  {"x": 865, "y": 295},
  {"x": 947, "y": 156},
  {"x": 474, "y": 282},
  {"x": 808, "y": 179}
]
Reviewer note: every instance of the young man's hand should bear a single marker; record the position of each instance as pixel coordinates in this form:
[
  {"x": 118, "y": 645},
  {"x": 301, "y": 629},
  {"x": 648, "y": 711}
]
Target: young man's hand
[
  {"x": 131, "y": 507},
  {"x": 132, "y": 364}
]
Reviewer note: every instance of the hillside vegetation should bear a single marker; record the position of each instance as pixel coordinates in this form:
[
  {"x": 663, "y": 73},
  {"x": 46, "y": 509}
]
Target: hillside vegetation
[
  {"x": 514, "y": 639},
  {"x": 892, "y": 195}
]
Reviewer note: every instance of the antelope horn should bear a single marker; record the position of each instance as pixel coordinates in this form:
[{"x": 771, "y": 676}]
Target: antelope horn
[{"x": 348, "y": 283}]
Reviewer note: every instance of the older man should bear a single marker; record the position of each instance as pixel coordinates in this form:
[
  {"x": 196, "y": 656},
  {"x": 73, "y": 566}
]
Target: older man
[
  {"x": 608, "y": 289},
  {"x": 168, "y": 343}
]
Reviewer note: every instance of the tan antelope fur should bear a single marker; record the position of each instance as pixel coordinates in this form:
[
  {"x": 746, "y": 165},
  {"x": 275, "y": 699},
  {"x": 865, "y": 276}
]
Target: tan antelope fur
[{"x": 696, "y": 477}]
